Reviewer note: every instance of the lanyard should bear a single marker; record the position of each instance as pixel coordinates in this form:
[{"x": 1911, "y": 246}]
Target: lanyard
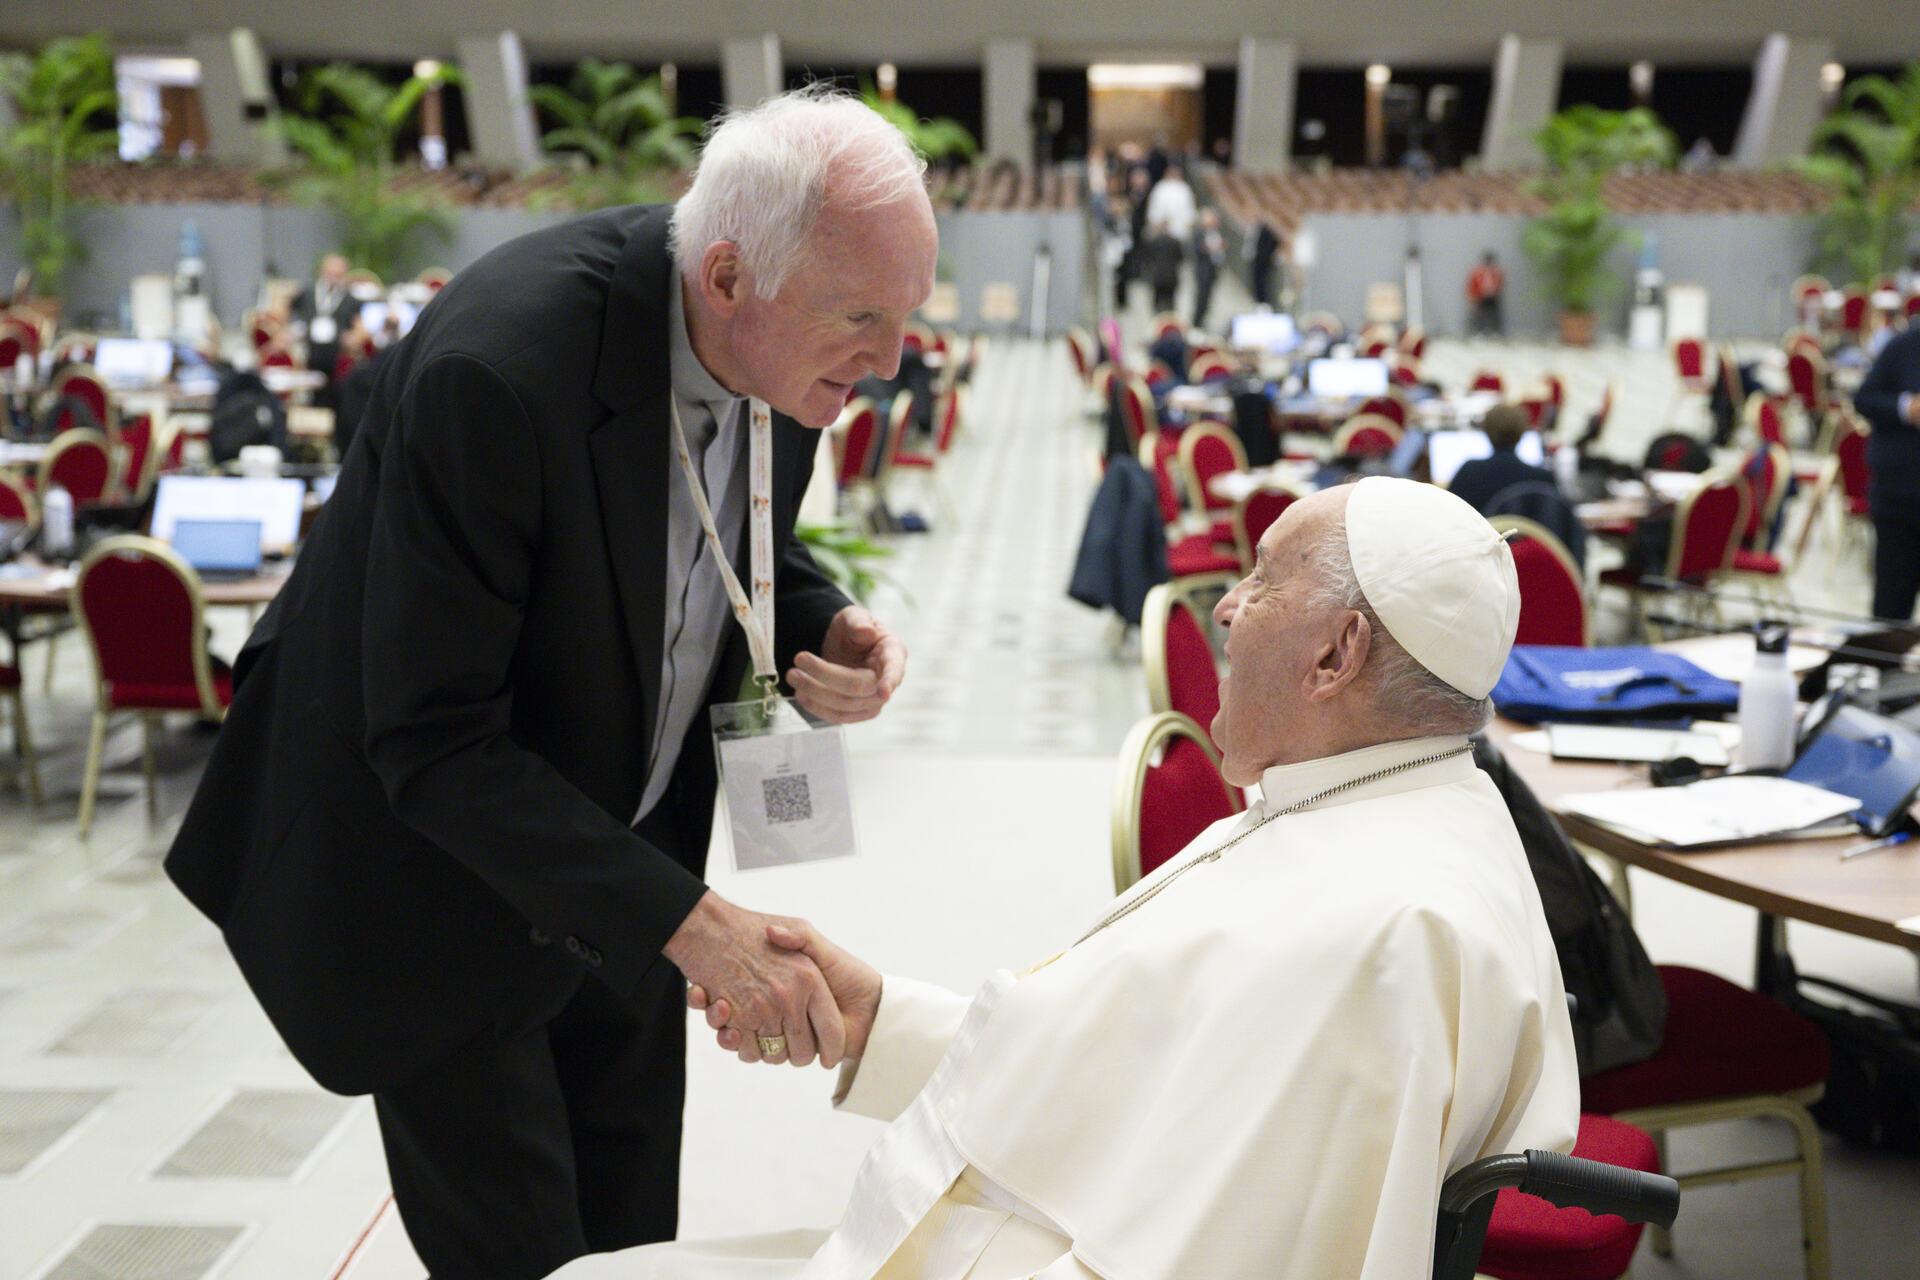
[{"x": 756, "y": 616}]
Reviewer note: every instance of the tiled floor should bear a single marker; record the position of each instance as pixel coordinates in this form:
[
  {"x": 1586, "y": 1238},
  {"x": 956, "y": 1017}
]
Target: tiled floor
[{"x": 152, "y": 1126}]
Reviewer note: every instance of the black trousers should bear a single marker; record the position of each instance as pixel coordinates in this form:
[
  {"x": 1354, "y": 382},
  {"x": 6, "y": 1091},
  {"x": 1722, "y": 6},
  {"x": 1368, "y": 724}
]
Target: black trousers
[
  {"x": 545, "y": 1141},
  {"x": 1896, "y": 564}
]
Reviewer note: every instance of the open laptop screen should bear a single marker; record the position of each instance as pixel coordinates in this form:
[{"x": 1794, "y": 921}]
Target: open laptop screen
[
  {"x": 1870, "y": 757},
  {"x": 219, "y": 546},
  {"x": 1351, "y": 378},
  {"x": 133, "y": 362},
  {"x": 1270, "y": 331},
  {"x": 275, "y": 501},
  {"x": 1448, "y": 451}
]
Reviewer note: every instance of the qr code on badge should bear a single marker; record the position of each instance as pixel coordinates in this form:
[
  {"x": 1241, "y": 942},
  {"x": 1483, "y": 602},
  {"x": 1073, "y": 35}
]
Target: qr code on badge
[{"x": 788, "y": 799}]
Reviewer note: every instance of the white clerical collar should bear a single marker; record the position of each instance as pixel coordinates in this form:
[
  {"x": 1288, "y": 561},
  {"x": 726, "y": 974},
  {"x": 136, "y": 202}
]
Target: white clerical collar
[
  {"x": 691, "y": 381},
  {"x": 1289, "y": 784}
]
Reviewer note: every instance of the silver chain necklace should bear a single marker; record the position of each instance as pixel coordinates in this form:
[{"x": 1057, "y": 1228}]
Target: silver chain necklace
[{"x": 1213, "y": 855}]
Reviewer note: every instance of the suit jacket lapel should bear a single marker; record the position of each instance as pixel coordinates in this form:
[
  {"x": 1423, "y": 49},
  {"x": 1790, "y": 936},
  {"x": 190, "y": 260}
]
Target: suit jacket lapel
[{"x": 631, "y": 455}]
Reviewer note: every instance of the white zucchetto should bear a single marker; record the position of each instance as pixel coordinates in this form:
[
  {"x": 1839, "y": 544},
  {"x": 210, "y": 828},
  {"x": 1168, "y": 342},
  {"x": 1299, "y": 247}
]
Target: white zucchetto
[{"x": 1438, "y": 577}]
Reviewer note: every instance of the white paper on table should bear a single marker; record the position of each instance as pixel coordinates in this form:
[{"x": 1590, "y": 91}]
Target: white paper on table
[
  {"x": 1713, "y": 811},
  {"x": 1730, "y": 656}
]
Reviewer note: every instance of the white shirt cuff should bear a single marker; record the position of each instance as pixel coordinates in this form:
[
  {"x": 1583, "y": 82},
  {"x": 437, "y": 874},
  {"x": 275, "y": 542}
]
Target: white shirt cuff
[{"x": 914, "y": 1025}]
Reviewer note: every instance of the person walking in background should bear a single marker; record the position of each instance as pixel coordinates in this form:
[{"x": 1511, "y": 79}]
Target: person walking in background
[
  {"x": 1485, "y": 285},
  {"x": 1209, "y": 254}
]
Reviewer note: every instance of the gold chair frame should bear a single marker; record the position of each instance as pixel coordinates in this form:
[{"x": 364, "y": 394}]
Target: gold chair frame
[
  {"x": 1130, "y": 780},
  {"x": 210, "y": 705}
]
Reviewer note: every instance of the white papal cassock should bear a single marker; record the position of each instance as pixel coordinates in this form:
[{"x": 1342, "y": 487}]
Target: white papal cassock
[{"x": 1265, "y": 1071}]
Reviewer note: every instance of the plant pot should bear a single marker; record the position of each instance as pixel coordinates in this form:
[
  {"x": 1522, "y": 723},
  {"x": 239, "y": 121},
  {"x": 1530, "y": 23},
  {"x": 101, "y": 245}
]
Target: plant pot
[{"x": 1576, "y": 328}]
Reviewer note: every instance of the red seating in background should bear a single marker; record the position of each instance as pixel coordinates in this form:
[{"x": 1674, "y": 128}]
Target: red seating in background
[{"x": 1167, "y": 790}]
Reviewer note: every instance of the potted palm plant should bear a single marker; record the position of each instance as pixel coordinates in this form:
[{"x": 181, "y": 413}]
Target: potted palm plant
[
  {"x": 1867, "y": 155},
  {"x": 620, "y": 130},
  {"x": 1571, "y": 242},
  {"x": 64, "y": 100},
  {"x": 346, "y": 131}
]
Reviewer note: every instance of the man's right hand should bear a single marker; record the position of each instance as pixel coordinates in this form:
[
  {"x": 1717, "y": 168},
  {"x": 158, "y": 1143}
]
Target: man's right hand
[
  {"x": 770, "y": 990},
  {"x": 855, "y": 985}
]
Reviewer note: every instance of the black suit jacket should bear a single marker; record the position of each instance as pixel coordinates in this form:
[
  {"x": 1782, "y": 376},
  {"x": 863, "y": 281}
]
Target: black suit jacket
[
  {"x": 1478, "y": 479},
  {"x": 415, "y": 819},
  {"x": 1893, "y": 450}
]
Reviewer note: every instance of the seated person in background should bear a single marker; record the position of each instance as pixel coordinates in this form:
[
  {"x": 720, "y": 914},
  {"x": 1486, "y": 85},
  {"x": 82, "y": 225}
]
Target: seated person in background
[
  {"x": 1264, "y": 1058},
  {"x": 1479, "y": 479},
  {"x": 1504, "y": 485}
]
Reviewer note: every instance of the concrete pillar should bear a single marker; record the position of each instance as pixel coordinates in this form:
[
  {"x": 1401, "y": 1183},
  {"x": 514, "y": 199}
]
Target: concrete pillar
[
  {"x": 750, "y": 70},
  {"x": 235, "y": 98},
  {"x": 1263, "y": 109},
  {"x": 1526, "y": 90},
  {"x": 500, "y": 120},
  {"x": 1009, "y": 92},
  {"x": 1786, "y": 101}
]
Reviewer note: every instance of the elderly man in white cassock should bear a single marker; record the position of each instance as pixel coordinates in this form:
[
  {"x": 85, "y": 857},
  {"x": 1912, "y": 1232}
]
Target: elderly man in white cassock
[{"x": 1264, "y": 1058}]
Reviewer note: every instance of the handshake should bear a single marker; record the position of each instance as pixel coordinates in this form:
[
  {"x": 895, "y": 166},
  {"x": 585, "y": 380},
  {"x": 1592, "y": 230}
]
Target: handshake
[{"x": 774, "y": 989}]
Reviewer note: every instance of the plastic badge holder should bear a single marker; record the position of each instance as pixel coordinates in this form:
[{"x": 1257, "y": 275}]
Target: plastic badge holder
[{"x": 785, "y": 778}]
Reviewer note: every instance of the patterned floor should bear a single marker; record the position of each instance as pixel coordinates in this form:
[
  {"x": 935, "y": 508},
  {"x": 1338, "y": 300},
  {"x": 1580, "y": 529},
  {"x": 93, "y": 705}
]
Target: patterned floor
[{"x": 152, "y": 1126}]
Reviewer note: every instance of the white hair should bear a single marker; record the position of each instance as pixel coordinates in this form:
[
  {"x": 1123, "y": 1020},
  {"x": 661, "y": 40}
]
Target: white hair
[
  {"x": 766, "y": 172},
  {"x": 1402, "y": 688}
]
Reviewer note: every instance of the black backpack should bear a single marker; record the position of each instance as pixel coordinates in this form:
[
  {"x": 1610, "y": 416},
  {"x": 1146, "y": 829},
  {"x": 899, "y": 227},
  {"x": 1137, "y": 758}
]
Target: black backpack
[
  {"x": 244, "y": 413},
  {"x": 1620, "y": 1006}
]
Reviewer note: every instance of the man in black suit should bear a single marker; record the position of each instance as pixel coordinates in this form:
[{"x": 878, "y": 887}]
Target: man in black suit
[
  {"x": 325, "y": 310},
  {"x": 1889, "y": 399},
  {"x": 454, "y": 826}
]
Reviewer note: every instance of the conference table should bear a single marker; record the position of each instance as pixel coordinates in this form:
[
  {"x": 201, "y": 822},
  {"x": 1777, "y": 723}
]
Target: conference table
[{"x": 30, "y": 588}]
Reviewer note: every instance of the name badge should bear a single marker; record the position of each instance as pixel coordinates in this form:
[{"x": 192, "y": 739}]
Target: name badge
[
  {"x": 322, "y": 329},
  {"x": 784, "y": 776}
]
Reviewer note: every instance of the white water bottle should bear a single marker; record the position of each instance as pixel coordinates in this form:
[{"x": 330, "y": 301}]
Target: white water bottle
[
  {"x": 56, "y": 521},
  {"x": 1766, "y": 702}
]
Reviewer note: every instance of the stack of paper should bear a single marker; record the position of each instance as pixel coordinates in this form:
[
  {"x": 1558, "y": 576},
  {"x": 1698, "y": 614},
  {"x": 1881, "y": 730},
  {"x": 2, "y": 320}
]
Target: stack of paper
[{"x": 1714, "y": 811}]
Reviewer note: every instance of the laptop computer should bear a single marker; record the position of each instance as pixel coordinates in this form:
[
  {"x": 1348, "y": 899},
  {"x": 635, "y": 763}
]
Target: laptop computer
[
  {"x": 1858, "y": 753},
  {"x": 219, "y": 550}
]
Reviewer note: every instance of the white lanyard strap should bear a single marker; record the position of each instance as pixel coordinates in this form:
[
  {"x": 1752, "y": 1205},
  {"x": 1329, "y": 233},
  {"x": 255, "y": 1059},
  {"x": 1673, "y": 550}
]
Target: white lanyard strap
[{"x": 756, "y": 616}]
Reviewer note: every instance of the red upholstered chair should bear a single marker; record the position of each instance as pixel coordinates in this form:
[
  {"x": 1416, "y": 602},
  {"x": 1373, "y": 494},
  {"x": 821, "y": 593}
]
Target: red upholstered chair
[
  {"x": 1855, "y": 309},
  {"x": 1488, "y": 380},
  {"x": 145, "y": 620},
  {"x": 1209, "y": 366},
  {"x": 1254, "y": 514},
  {"x": 84, "y": 385},
  {"x": 79, "y": 461},
  {"x": 946, "y": 420},
  {"x": 435, "y": 278},
  {"x": 1706, "y": 529},
  {"x": 1167, "y": 790},
  {"x": 16, "y": 501},
  {"x": 1729, "y": 1053},
  {"x": 1691, "y": 366},
  {"x": 1530, "y": 1239},
  {"x": 1366, "y": 435},
  {"x": 859, "y": 436},
  {"x": 1207, "y": 450},
  {"x": 1809, "y": 295},
  {"x": 1080, "y": 350},
  {"x": 1807, "y": 377},
  {"x": 1192, "y": 558},
  {"x": 1182, "y": 674},
  {"x": 1136, "y": 408},
  {"x": 1392, "y": 407},
  {"x": 15, "y": 339},
  {"x": 1166, "y": 324},
  {"x": 1553, "y": 597}
]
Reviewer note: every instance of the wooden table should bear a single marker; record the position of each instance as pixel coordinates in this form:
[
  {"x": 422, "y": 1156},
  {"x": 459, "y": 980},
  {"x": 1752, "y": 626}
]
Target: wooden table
[
  {"x": 1875, "y": 897},
  {"x": 44, "y": 590}
]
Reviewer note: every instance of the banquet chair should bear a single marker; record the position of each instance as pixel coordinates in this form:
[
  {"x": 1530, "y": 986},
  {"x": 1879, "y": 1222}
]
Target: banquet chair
[
  {"x": 1167, "y": 790},
  {"x": 17, "y": 502},
  {"x": 1080, "y": 349},
  {"x": 1387, "y": 406},
  {"x": 1553, "y": 597},
  {"x": 1166, "y": 323},
  {"x": 80, "y": 461},
  {"x": 1209, "y": 366},
  {"x": 1193, "y": 559},
  {"x": 1707, "y": 524},
  {"x": 435, "y": 278},
  {"x": 1137, "y": 412},
  {"x": 859, "y": 438},
  {"x": 144, "y": 616},
  {"x": 1541, "y": 1215},
  {"x": 16, "y": 339},
  {"x": 1254, "y": 514},
  {"x": 946, "y": 420},
  {"x": 1809, "y": 295},
  {"x": 1693, "y": 373},
  {"x": 1366, "y": 435},
  {"x": 81, "y": 383},
  {"x": 1841, "y": 486},
  {"x": 1855, "y": 309},
  {"x": 1807, "y": 380},
  {"x": 1208, "y": 449},
  {"x": 1728, "y": 1053},
  {"x": 1768, "y": 471},
  {"x": 1488, "y": 380},
  {"x": 1182, "y": 671}
]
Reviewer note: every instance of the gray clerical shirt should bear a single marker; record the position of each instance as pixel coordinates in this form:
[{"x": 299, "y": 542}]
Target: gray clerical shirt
[{"x": 698, "y": 613}]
